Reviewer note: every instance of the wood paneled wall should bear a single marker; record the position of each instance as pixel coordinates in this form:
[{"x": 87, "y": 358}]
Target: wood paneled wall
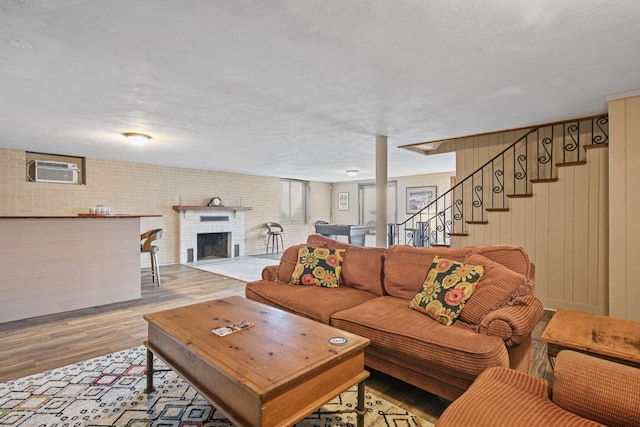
[
  {"x": 624, "y": 246},
  {"x": 563, "y": 226}
]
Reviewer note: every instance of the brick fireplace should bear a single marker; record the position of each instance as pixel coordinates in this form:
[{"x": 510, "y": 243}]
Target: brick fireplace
[{"x": 210, "y": 232}]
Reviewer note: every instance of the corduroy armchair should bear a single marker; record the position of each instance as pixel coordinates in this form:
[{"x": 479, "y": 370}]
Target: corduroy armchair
[{"x": 587, "y": 391}]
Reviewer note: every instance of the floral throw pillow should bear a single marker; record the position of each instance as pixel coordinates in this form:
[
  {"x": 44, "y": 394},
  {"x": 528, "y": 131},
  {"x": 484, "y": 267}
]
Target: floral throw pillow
[
  {"x": 318, "y": 266},
  {"x": 447, "y": 287}
]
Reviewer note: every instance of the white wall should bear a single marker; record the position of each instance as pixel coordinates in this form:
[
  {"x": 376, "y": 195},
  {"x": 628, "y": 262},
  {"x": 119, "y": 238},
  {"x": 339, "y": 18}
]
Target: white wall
[{"x": 441, "y": 181}]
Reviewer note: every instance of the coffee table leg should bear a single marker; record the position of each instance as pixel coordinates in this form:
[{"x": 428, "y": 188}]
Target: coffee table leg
[
  {"x": 360, "y": 406},
  {"x": 150, "y": 388}
]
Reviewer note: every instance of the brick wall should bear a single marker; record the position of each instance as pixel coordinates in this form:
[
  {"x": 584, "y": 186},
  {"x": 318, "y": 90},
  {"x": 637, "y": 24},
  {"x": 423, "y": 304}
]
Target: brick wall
[{"x": 139, "y": 188}]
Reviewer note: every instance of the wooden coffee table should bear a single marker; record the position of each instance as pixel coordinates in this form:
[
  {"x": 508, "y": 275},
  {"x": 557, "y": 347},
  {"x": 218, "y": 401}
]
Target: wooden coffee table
[
  {"x": 601, "y": 336},
  {"x": 273, "y": 374}
]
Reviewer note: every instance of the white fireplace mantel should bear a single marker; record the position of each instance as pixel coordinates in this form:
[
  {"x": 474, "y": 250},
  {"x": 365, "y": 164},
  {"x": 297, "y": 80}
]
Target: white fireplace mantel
[
  {"x": 210, "y": 208},
  {"x": 229, "y": 219}
]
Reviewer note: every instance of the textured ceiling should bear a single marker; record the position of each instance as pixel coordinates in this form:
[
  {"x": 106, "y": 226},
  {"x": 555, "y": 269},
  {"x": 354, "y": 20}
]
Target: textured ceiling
[{"x": 300, "y": 88}]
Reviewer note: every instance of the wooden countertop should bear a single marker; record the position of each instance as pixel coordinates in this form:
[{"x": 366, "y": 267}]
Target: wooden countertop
[{"x": 80, "y": 216}]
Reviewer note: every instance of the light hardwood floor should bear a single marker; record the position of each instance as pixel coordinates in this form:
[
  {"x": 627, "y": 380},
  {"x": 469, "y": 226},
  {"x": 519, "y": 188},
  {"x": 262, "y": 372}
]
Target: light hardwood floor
[{"x": 39, "y": 344}]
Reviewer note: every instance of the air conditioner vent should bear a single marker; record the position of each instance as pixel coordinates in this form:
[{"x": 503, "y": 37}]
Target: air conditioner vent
[{"x": 48, "y": 171}]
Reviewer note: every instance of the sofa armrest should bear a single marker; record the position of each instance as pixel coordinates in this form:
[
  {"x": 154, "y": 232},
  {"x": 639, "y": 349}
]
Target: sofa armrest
[
  {"x": 269, "y": 273},
  {"x": 502, "y": 397},
  {"x": 600, "y": 390},
  {"x": 513, "y": 323}
]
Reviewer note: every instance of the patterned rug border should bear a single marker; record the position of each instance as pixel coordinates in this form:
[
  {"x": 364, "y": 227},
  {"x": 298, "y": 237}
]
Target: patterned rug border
[{"x": 109, "y": 391}]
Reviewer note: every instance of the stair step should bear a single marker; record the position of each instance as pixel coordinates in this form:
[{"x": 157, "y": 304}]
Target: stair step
[
  {"x": 458, "y": 234},
  {"x": 565, "y": 164},
  {"x": 592, "y": 146},
  {"x": 518, "y": 196},
  {"x": 497, "y": 209},
  {"x": 477, "y": 222},
  {"x": 538, "y": 181},
  {"x": 440, "y": 245}
]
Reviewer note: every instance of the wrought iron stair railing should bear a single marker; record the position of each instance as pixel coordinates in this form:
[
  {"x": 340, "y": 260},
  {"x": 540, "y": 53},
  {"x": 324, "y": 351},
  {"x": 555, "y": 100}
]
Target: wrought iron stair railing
[{"x": 509, "y": 174}]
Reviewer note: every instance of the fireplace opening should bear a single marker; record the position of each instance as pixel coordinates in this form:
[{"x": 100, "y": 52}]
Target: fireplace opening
[{"x": 213, "y": 245}]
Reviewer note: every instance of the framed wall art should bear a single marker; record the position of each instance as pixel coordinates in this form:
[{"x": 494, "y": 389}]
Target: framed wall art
[
  {"x": 343, "y": 201},
  {"x": 419, "y": 197}
]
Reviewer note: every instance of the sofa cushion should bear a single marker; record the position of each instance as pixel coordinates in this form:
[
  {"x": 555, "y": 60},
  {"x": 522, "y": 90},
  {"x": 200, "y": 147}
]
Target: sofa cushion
[
  {"x": 288, "y": 263},
  {"x": 362, "y": 269},
  {"x": 313, "y": 302},
  {"x": 318, "y": 266},
  {"x": 405, "y": 267},
  {"x": 448, "y": 285},
  {"x": 498, "y": 285},
  {"x": 513, "y": 257},
  {"x": 421, "y": 341},
  {"x": 362, "y": 266}
]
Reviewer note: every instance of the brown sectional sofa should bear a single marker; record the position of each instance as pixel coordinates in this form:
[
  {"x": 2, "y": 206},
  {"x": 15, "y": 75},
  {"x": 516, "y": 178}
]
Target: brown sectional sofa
[
  {"x": 494, "y": 328},
  {"x": 587, "y": 391}
]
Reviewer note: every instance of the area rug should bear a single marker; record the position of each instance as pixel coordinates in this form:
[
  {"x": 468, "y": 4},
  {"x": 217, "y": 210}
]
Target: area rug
[
  {"x": 245, "y": 269},
  {"x": 109, "y": 391}
]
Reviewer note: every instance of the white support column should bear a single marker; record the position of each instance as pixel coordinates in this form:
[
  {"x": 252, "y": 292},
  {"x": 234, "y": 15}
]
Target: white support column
[{"x": 381, "y": 191}]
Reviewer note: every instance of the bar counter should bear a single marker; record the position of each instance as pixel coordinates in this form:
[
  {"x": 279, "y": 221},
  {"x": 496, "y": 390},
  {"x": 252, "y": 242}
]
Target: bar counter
[
  {"x": 80, "y": 216},
  {"x": 52, "y": 264}
]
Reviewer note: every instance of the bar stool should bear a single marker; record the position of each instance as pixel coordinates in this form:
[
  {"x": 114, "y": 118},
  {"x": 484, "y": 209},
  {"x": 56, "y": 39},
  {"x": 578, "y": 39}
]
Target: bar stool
[
  {"x": 274, "y": 236},
  {"x": 146, "y": 240}
]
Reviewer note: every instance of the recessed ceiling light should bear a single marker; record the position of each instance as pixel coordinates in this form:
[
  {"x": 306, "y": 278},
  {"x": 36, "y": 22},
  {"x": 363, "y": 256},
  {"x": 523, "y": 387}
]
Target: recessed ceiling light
[
  {"x": 352, "y": 172},
  {"x": 137, "y": 138}
]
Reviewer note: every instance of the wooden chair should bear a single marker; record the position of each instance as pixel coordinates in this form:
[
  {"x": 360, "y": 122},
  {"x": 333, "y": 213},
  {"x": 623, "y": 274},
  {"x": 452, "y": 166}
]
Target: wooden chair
[
  {"x": 274, "y": 236},
  {"x": 146, "y": 240}
]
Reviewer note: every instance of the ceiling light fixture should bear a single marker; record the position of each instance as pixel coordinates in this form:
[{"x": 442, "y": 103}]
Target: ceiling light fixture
[
  {"x": 137, "y": 138},
  {"x": 352, "y": 172}
]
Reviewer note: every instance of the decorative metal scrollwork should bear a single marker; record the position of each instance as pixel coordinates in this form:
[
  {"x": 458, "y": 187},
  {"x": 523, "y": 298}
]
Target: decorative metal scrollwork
[
  {"x": 498, "y": 175},
  {"x": 547, "y": 146},
  {"x": 457, "y": 215},
  {"x": 602, "y": 138},
  {"x": 574, "y": 133},
  {"x": 409, "y": 237},
  {"x": 477, "y": 199},
  {"x": 522, "y": 162},
  {"x": 440, "y": 223}
]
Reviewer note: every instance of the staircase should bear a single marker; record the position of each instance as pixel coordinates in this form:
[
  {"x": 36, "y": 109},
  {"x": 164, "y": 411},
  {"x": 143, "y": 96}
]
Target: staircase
[{"x": 532, "y": 159}]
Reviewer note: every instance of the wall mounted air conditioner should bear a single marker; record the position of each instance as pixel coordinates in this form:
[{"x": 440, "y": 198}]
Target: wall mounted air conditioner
[{"x": 48, "y": 171}]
